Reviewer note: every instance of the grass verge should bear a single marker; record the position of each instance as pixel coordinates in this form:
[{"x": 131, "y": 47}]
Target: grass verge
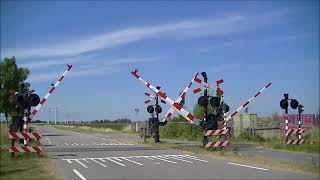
[{"x": 24, "y": 166}]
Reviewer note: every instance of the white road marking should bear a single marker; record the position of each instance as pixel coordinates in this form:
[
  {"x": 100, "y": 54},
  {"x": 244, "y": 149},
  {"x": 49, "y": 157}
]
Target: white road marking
[
  {"x": 66, "y": 144},
  {"x": 79, "y": 175},
  {"x": 48, "y": 140},
  {"x": 78, "y": 161},
  {"x": 132, "y": 161},
  {"x": 253, "y": 167},
  {"x": 150, "y": 159},
  {"x": 166, "y": 158},
  {"x": 115, "y": 162},
  {"x": 98, "y": 163},
  {"x": 194, "y": 158},
  {"x": 180, "y": 159}
]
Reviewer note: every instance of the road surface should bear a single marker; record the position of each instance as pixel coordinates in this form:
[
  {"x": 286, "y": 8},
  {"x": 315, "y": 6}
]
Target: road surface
[{"x": 97, "y": 156}]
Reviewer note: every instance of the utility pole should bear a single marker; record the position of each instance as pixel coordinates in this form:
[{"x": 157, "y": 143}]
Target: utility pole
[
  {"x": 55, "y": 115},
  {"x": 204, "y": 75}
]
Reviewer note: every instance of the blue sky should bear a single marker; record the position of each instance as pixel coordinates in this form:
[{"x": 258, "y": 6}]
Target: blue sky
[{"x": 248, "y": 44}]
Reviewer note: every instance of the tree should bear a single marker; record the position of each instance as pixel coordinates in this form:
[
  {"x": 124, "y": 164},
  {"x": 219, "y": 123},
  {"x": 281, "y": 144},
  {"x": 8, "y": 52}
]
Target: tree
[{"x": 11, "y": 76}]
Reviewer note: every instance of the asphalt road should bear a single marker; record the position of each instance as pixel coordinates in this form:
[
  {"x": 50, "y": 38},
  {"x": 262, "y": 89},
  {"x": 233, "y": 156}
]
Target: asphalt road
[{"x": 96, "y": 156}]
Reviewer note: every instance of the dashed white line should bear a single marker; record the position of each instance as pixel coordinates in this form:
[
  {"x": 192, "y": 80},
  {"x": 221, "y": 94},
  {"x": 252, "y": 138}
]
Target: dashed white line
[
  {"x": 253, "y": 167},
  {"x": 79, "y": 174}
]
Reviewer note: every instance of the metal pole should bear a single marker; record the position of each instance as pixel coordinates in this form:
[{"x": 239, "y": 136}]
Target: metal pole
[
  {"x": 55, "y": 115},
  {"x": 205, "y": 138},
  {"x": 287, "y": 123},
  {"x": 299, "y": 125},
  {"x": 156, "y": 137},
  {"x": 25, "y": 120}
]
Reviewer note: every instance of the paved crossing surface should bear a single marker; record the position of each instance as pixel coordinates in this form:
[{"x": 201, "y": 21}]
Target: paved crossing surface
[{"x": 95, "y": 156}]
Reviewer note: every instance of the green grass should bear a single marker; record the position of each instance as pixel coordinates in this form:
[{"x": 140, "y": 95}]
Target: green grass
[{"x": 24, "y": 165}]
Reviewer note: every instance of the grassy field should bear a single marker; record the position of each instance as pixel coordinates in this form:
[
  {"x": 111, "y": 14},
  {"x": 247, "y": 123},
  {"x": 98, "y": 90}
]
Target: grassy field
[{"x": 24, "y": 166}]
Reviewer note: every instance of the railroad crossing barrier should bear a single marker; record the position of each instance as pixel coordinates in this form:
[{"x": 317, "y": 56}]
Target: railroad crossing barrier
[
  {"x": 294, "y": 132},
  {"x": 26, "y": 136},
  {"x": 219, "y": 133}
]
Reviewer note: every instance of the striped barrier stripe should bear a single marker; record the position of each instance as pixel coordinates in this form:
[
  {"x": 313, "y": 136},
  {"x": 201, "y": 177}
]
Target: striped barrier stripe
[
  {"x": 295, "y": 131},
  {"x": 246, "y": 103},
  {"x": 179, "y": 99},
  {"x": 295, "y": 141},
  {"x": 26, "y": 149},
  {"x": 36, "y": 109},
  {"x": 24, "y": 135},
  {"x": 176, "y": 106},
  {"x": 216, "y": 132},
  {"x": 215, "y": 144},
  {"x": 205, "y": 85},
  {"x": 149, "y": 95}
]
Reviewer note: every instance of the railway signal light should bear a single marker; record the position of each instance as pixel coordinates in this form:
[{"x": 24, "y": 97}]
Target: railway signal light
[
  {"x": 150, "y": 109},
  {"x": 300, "y": 110},
  {"x": 215, "y": 102},
  {"x": 294, "y": 104}
]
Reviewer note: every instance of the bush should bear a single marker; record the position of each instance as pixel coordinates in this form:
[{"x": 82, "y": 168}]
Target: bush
[{"x": 181, "y": 130}]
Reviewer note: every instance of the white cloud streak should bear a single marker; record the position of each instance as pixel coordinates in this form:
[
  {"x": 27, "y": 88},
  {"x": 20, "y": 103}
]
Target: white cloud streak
[
  {"x": 178, "y": 30},
  {"x": 107, "y": 68}
]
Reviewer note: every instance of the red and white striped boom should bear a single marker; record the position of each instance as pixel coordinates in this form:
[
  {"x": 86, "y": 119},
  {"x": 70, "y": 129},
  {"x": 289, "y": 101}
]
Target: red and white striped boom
[
  {"x": 179, "y": 99},
  {"x": 205, "y": 85},
  {"x": 36, "y": 109},
  {"x": 246, "y": 103},
  {"x": 176, "y": 106}
]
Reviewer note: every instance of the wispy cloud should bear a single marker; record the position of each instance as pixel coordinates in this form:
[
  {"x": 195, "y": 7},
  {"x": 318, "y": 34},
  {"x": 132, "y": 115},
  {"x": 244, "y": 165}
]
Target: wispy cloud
[
  {"x": 92, "y": 69},
  {"x": 181, "y": 30}
]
